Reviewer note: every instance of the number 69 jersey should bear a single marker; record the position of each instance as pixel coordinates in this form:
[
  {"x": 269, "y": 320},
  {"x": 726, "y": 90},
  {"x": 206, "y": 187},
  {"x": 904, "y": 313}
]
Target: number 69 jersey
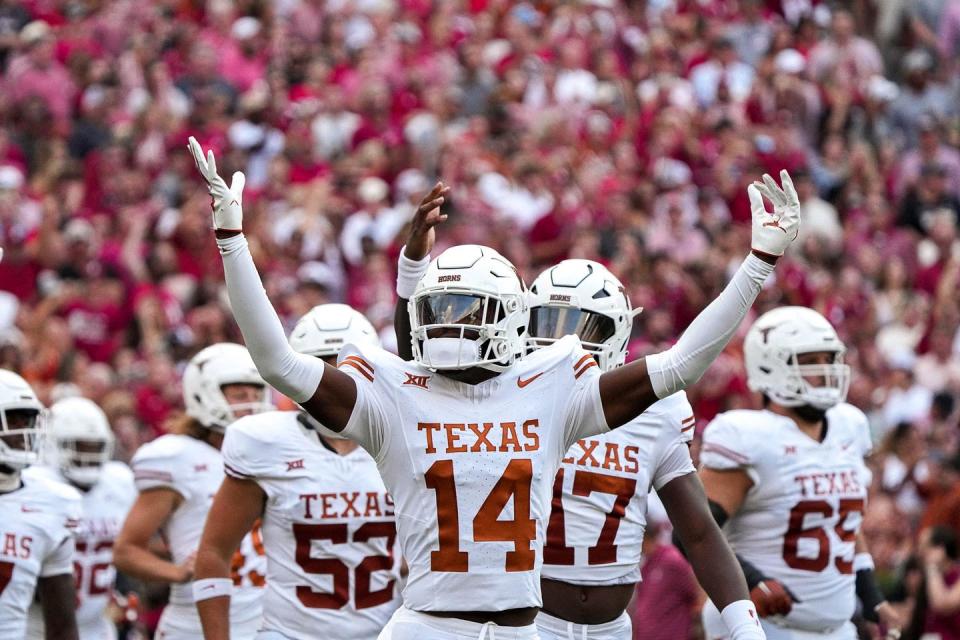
[
  {"x": 595, "y": 536},
  {"x": 471, "y": 467},
  {"x": 328, "y": 530},
  {"x": 799, "y": 521},
  {"x": 37, "y": 526}
]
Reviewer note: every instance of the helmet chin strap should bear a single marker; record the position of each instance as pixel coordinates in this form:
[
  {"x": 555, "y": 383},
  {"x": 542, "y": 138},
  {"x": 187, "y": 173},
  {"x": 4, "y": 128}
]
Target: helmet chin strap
[{"x": 9, "y": 479}]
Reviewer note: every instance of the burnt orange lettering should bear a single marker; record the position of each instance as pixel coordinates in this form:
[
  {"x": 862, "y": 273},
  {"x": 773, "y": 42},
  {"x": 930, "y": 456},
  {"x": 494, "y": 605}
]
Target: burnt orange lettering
[
  {"x": 631, "y": 453},
  {"x": 454, "y": 438},
  {"x": 530, "y": 433},
  {"x": 388, "y": 500},
  {"x": 508, "y": 434},
  {"x": 429, "y": 428},
  {"x": 611, "y": 459},
  {"x": 25, "y": 543},
  {"x": 326, "y": 499},
  {"x": 10, "y": 545},
  {"x": 588, "y": 448},
  {"x": 481, "y": 437}
]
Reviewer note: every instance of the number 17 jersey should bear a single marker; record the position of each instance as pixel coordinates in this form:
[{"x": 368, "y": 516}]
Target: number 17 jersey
[{"x": 471, "y": 467}]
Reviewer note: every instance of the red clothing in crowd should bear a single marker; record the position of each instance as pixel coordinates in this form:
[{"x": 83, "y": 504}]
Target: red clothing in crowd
[{"x": 668, "y": 597}]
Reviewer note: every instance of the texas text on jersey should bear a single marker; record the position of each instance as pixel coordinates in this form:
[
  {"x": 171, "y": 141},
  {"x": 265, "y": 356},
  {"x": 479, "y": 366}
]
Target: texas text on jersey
[
  {"x": 37, "y": 525},
  {"x": 474, "y": 535},
  {"x": 328, "y": 529},
  {"x": 194, "y": 469},
  {"x": 799, "y": 521},
  {"x": 104, "y": 508}
]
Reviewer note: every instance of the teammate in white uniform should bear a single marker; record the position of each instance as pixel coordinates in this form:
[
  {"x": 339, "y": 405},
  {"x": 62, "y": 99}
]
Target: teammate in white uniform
[
  {"x": 328, "y": 522},
  {"x": 177, "y": 476},
  {"x": 595, "y": 534},
  {"x": 38, "y": 519},
  {"x": 791, "y": 485},
  {"x": 468, "y": 438},
  {"x": 79, "y": 445}
]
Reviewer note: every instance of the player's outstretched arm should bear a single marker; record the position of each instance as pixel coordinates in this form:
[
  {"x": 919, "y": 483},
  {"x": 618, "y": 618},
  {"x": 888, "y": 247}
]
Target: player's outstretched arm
[
  {"x": 233, "y": 513},
  {"x": 712, "y": 559},
  {"x": 414, "y": 260},
  {"x": 627, "y": 391},
  {"x": 327, "y": 393},
  {"x": 58, "y": 598}
]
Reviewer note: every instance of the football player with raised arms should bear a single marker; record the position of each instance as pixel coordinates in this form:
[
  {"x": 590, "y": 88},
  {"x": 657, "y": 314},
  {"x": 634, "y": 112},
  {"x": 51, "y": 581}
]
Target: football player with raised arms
[
  {"x": 177, "y": 476},
  {"x": 327, "y": 519},
  {"x": 595, "y": 533},
  {"x": 789, "y": 484},
  {"x": 38, "y": 519},
  {"x": 78, "y": 451},
  {"x": 469, "y": 436}
]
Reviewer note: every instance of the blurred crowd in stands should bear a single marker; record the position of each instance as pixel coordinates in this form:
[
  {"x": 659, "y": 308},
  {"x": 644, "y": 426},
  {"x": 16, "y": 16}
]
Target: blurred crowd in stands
[{"x": 621, "y": 131}]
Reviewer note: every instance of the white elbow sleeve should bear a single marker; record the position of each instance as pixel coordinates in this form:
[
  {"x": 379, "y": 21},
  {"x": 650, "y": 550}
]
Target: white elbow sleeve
[
  {"x": 293, "y": 374},
  {"x": 685, "y": 362}
]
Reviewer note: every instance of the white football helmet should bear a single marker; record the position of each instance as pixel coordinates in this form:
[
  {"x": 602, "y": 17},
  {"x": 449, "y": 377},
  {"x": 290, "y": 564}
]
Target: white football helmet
[
  {"x": 582, "y": 298},
  {"x": 205, "y": 376},
  {"x": 79, "y": 440},
  {"x": 469, "y": 310},
  {"x": 323, "y": 330},
  {"x": 771, "y": 349},
  {"x": 21, "y": 416}
]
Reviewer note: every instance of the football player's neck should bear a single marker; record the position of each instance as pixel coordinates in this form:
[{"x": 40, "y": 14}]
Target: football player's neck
[
  {"x": 9, "y": 479},
  {"x": 213, "y": 438},
  {"x": 474, "y": 375},
  {"x": 810, "y": 425},
  {"x": 341, "y": 446}
]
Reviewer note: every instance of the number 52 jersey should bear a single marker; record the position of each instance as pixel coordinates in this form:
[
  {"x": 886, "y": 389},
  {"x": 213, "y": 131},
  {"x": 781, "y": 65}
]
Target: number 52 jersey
[
  {"x": 799, "y": 521},
  {"x": 328, "y": 530},
  {"x": 471, "y": 467}
]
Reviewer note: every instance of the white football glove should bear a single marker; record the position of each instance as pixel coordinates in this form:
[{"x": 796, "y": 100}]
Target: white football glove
[
  {"x": 773, "y": 232},
  {"x": 227, "y": 202}
]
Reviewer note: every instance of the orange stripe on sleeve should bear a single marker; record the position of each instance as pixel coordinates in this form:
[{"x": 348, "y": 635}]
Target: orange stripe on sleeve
[
  {"x": 592, "y": 363},
  {"x": 351, "y": 363}
]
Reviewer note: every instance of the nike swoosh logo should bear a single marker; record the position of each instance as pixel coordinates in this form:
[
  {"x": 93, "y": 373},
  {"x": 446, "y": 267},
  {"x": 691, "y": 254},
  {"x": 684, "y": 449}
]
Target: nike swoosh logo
[
  {"x": 522, "y": 383},
  {"x": 26, "y": 509}
]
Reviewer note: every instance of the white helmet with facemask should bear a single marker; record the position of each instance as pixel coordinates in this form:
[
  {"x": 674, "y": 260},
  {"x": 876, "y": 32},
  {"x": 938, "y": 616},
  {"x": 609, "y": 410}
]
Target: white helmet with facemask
[
  {"x": 582, "y": 298},
  {"x": 322, "y": 332},
  {"x": 469, "y": 310},
  {"x": 21, "y": 415},
  {"x": 208, "y": 373},
  {"x": 80, "y": 441},
  {"x": 772, "y": 349}
]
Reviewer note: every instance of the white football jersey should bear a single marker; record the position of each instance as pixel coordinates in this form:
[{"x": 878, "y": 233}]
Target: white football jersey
[
  {"x": 194, "y": 469},
  {"x": 37, "y": 526},
  {"x": 799, "y": 521},
  {"x": 600, "y": 494},
  {"x": 105, "y": 507},
  {"x": 328, "y": 529},
  {"x": 471, "y": 467}
]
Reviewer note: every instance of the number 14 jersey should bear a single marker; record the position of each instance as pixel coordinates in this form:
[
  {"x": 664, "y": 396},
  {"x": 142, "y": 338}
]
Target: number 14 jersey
[
  {"x": 799, "y": 521},
  {"x": 471, "y": 467}
]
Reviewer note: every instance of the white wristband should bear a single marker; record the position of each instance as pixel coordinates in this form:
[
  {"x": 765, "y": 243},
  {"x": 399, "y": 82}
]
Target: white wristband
[
  {"x": 211, "y": 588},
  {"x": 409, "y": 273},
  {"x": 742, "y": 621},
  {"x": 863, "y": 561}
]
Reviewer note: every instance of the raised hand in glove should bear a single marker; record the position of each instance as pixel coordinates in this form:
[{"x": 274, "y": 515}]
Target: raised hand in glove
[
  {"x": 773, "y": 232},
  {"x": 227, "y": 201}
]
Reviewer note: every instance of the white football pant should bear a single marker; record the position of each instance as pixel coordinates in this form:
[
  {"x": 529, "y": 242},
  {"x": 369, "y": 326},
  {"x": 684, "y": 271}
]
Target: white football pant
[
  {"x": 406, "y": 624},
  {"x": 552, "y": 628},
  {"x": 182, "y": 622},
  {"x": 715, "y": 629}
]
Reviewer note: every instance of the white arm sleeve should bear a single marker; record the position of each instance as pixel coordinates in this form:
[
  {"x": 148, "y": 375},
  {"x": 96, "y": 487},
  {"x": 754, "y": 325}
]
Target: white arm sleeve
[
  {"x": 293, "y": 374},
  {"x": 685, "y": 362}
]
